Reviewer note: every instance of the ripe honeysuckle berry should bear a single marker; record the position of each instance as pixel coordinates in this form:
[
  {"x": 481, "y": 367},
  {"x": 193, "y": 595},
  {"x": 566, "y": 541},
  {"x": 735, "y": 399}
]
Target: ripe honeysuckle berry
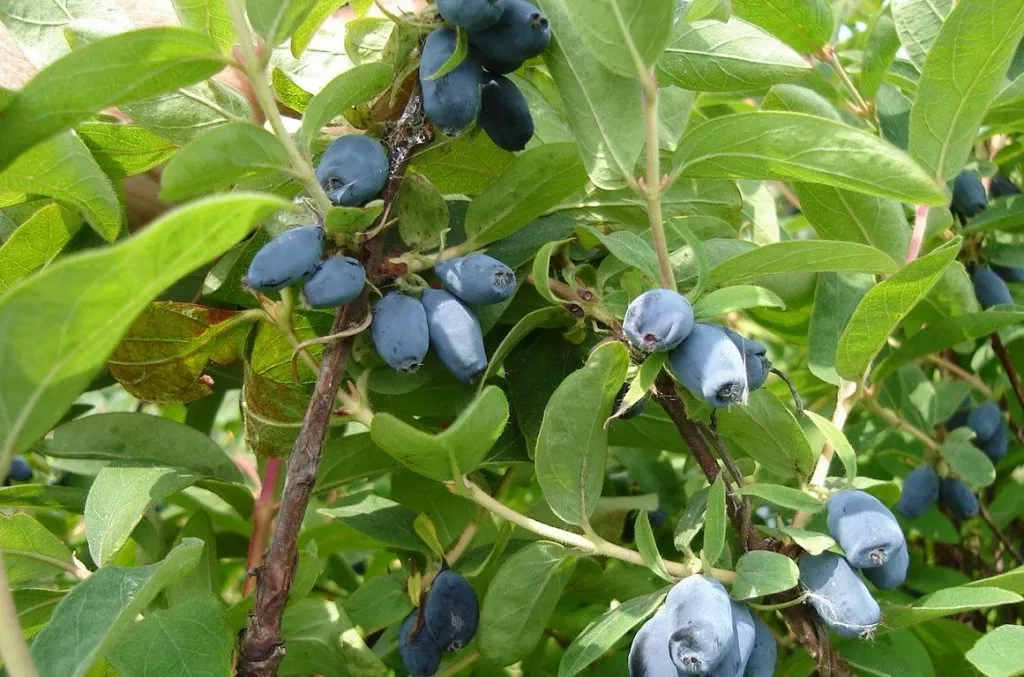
[
  {"x": 452, "y": 101},
  {"x": 838, "y": 595},
  {"x": 969, "y": 198},
  {"x": 892, "y": 573},
  {"x": 335, "y": 282},
  {"x": 658, "y": 320},
  {"x": 478, "y": 279},
  {"x": 20, "y": 470},
  {"x": 755, "y": 357},
  {"x": 989, "y": 288},
  {"x": 353, "y": 170},
  {"x": 920, "y": 492},
  {"x": 473, "y": 15},
  {"x": 399, "y": 331},
  {"x": 420, "y": 651},
  {"x": 735, "y": 660},
  {"x": 865, "y": 529},
  {"x": 1000, "y": 186},
  {"x": 701, "y": 625},
  {"x": 287, "y": 259},
  {"x": 455, "y": 335},
  {"x": 765, "y": 653},
  {"x": 504, "y": 113},
  {"x": 521, "y": 33},
  {"x": 1009, "y": 274},
  {"x": 985, "y": 420},
  {"x": 648, "y": 655},
  {"x": 959, "y": 498},
  {"x": 452, "y": 612},
  {"x": 710, "y": 366},
  {"x": 996, "y": 446}
]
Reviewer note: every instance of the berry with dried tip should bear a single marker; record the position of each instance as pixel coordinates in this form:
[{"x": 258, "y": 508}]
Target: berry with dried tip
[
  {"x": 866, "y": 530},
  {"x": 989, "y": 288},
  {"x": 473, "y": 15},
  {"x": 400, "y": 332},
  {"x": 700, "y": 620},
  {"x": 452, "y": 612},
  {"x": 289, "y": 258},
  {"x": 420, "y": 652},
  {"x": 477, "y": 279},
  {"x": 452, "y": 101},
  {"x": 959, "y": 497},
  {"x": 521, "y": 33},
  {"x": 504, "y": 113},
  {"x": 658, "y": 320},
  {"x": 335, "y": 282},
  {"x": 455, "y": 335},
  {"x": 755, "y": 356},
  {"x": 892, "y": 573},
  {"x": 969, "y": 198},
  {"x": 648, "y": 655},
  {"x": 710, "y": 366},
  {"x": 920, "y": 492},
  {"x": 353, "y": 169},
  {"x": 838, "y": 595}
]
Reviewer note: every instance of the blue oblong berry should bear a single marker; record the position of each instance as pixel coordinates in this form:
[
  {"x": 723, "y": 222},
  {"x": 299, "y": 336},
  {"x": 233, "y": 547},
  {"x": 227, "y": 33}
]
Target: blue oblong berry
[
  {"x": 866, "y": 530},
  {"x": 452, "y": 612},
  {"x": 920, "y": 492},
  {"x": 451, "y": 101},
  {"x": 473, "y": 15},
  {"x": 658, "y": 320},
  {"x": 399, "y": 331},
  {"x": 959, "y": 497},
  {"x": 287, "y": 259},
  {"x": 420, "y": 652},
  {"x": 477, "y": 279},
  {"x": 710, "y": 366},
  {"x": 335, "y": 282},
  {"x": 701, "y": 623},
  {"x": 455, "y": 335},
  {"x": 353, "y": 169},
  {"x": 521, "y": 33},
  {"x": 989, "y": 288},
  {"x": 838, "y": 595}
]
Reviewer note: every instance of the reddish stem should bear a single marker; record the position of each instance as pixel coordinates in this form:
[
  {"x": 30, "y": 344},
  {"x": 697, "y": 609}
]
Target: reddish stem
[
  {"x": 917, "y": 236},
  {"x": 262, "y": 518}
]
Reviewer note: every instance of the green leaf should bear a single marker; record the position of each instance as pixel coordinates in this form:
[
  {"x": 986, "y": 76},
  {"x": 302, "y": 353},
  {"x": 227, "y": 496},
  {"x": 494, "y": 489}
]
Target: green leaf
[
  {"x": 42, "y": 367},
  {"x": 961, "y": 76},
  {"x": 276, "y": 20},
  {"x": 119, "y": 498},
  {"x": 457, "y": 56},
  {"x": 454, "y": 452},
  {"x": 768, "y": 432},
  {"x": 884, "y": 307},
  {"x": 142, "y": 438},
  {"x": 378, "y": 603},
  {"x": 30, "y": 550},
  {"x": 693, "y": 10},
  {"x": 422, "y": 212},
  {"x": 35, "y": 606},
  {"x": 604, "y": 109},
  {"x": 946, "y": 603},
  {"x": 797, "y": 99},
  {"x": 946, "y": 334},
  {"x": 467, "y": 165},
  {"x": 181, "y": 115},
  {"x": 711, "y": 56},
  {"x": 691, "y": 522},
  {"x": 602, "y": 634},
  {"x": 648, "y": 546},
  {"x": 631, "y": 249},
  {"x": 62, "y": 168},
  {"x": 1006, "y": 214},
  {"x": 191, "y": 639},
  {"x": 36, "y": 242},
  {"x": 520, "y": 600},
  {"x": 804, "y": 24},
  {"x": 799, "y": 147},
  {"x": 1000, "y": 653},
  {"x": 812, "y": 541},
  {"x": 839, "y": 214},
  {"x": 835, "y": 300},
  {"x": 967, "y": 460},
  {"x": 351, "y": 220},
  {"x": 221, "y": 158},
  {"x": 735, "y": 297},
  {"x": 303, "y": 35},
  {"x": 111, "y": 599},
  {"x": 321, "y": 640},
  {"x": 760, "y": 573},
  {"x": 839, "y": 443},
  {"x": 71, "y": 499},
  {"x": 801, "y": 256},
  {"x": 351, "y": 457},
  {"x": 120, "y": 69},
  {"x": 379, "y": 518},
  {"x": 124, "y": 150},
  {"x": 207, "y": 16},
  {"x": 573, "y": 444},
  {"x": 609, "y": 28},
  {"x": 879, "y": 51},
  {"x": 39, "y": 26},
  {"x": 536, "y": 181},
  {"x": 288, "y": 92},
  {"x": 784, "y": 497},
  {"x": 917, "y": 24},
  {"x": 541, "y": 270},
  {"x": 549, "y": 317},
  {"x": 353, "y": 87},
  {"x": 715, "y": 521}
]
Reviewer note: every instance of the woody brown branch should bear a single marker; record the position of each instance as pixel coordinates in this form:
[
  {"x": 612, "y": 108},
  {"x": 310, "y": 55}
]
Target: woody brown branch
[{"x": 262, "y": 643}]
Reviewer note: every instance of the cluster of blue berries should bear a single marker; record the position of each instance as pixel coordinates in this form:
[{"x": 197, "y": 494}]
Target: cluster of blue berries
[
  {"x": 713, "y": 362},
  {"x": 20, "y": 471},
  {"x": 923, "y": 488},
  {"x": 701, "y": 631},
  {"x": 445, "y": 623},
  {"x": 969, "y": 200},
  {"x": 404, "y": 328},
  {"x": 502, "y": 34}
]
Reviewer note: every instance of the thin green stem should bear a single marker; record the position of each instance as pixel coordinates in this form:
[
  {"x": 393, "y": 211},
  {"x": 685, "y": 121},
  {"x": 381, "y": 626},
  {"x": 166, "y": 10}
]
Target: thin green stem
[
  {"x": 13, "y": 648},
  {"x": 863, "y": 107},
  {"x": 653, "y": 187},
  {"x": 256, "y": 72},
  {"x": 780, "y": 606}
]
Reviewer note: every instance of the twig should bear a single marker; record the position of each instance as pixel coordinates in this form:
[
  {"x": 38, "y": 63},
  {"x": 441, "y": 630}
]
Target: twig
[
  {"x": 962, "y": 374},
  {"x": 917, "y": 235},
  {"x": 987, "y": 518},
  {"x": 652, "y": 189},
  {"x": 13, "y": 648},
  {"x": 471, "y": 529},
  {"x": 863, "y": 109},
  {"x": 901, "y": 423},
  {"x": 1011, "y": 371},
  {"x": 262, "y": 517}
]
